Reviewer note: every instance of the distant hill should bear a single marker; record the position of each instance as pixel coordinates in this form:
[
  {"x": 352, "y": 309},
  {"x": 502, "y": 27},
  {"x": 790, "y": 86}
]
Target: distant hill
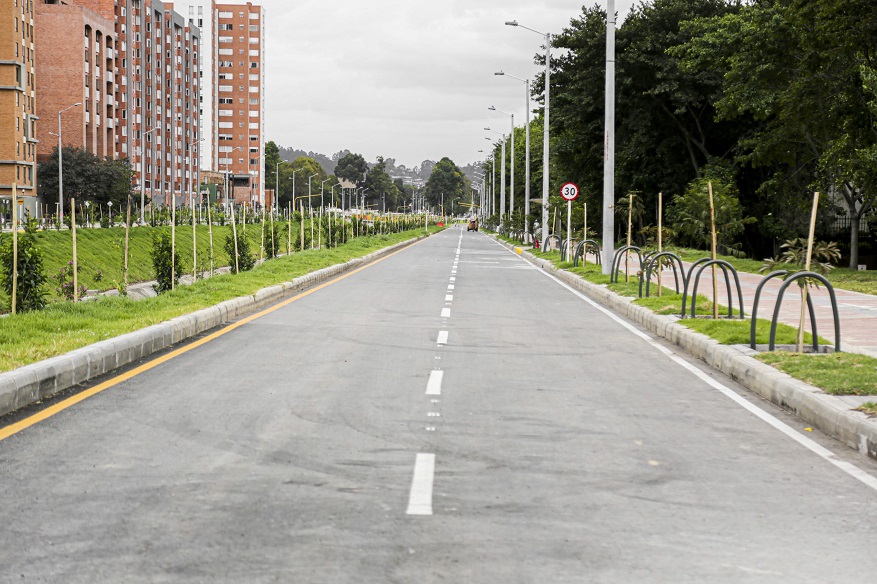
[{"x": 417, "y": 175}]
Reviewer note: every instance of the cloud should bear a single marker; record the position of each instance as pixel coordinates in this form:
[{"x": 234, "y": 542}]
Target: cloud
[{"x": 409, "y": 79}]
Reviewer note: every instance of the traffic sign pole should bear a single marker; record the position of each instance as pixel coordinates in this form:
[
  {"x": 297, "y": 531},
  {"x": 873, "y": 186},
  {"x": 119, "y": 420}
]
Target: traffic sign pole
[{"x": 570, "y": 192}]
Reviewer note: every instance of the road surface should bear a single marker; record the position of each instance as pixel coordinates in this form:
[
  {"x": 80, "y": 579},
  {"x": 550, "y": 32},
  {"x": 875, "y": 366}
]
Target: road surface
[{"x": 448, "y": 414}]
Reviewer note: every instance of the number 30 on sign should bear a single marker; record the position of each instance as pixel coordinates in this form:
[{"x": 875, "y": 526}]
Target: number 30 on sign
[{"x": 569, "y": 191}]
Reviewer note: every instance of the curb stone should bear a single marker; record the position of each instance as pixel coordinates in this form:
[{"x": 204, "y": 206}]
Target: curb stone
[
  {"x": 37, "y": 381},
  {"x": 828, "y": 413}
]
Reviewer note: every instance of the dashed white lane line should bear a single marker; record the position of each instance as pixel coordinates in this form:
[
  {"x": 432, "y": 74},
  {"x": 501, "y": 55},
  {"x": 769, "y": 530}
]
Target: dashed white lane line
[
  {"x": 449, "y": 298},
  {"x": 446, "y": 313},
  {"x": 442, "y": 338},
  {"x": 811, "y": 445},
  {"x": 420, "y": 498},
  {"x": 450, "y": 287},
  {"x": 453, "y": 279},
  {"x": 434, "y": 385}
]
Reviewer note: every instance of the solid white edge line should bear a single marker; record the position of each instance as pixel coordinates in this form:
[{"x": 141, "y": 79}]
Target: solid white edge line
[
  {"x": 420, "y": 497},
  {"x": 434, "y": 385},
  {"x": 811, "y": 445},
  {"x": 442, "y": 338}
]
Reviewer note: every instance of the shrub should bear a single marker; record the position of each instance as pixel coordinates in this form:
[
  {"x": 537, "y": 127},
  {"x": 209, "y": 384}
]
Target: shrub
[
  {"x": 64, "y": 282},
  {"x": 31, "y": 294},
  {"x": 165, "y": 273},
  {"x": 246, "y": 259}
]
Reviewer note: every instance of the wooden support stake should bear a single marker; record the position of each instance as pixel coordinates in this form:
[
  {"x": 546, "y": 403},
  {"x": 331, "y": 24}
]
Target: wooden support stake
[
  {"x": 173, "y": 240},
  {"x": 234, "y": 234},
  {"x": 714, "y": 246},
  {"x": 660, "y": 241},
  {"x": 75, "y": 255},
  {"x": 289, "y": 233},
  {"x": 14, "y": 248},
  {"x": 127, "y": 239},
  {"x": 262, "y": 244},
  {"x": 799, "y": 342},
  {"x": 301, "y": 208},
  {"x": 629, "y": 239},
  {"x": 210, "y": 232},
  {"x": 194, "y": 243},
  {"x": 584, "y": 238}
]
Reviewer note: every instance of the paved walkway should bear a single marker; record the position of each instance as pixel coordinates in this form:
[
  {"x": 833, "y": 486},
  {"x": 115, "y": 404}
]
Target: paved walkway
[{"x": 858, "y": 312}]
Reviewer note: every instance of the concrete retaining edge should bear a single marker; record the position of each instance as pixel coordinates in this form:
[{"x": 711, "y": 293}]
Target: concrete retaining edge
[
  {"x": 817, "y": 408},
  {"x": 37, "y": 381}
]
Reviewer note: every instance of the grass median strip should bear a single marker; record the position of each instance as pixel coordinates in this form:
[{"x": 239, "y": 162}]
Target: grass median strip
[
  {"x": 64, "y": 326},
  {"x": 836, "y": 373}
]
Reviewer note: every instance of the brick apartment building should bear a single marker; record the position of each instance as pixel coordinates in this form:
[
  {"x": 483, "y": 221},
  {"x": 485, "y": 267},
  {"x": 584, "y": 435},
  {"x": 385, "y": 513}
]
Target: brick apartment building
[
  {"x": 134, "y": 65},
  {"x": 17, "y": 104},
  {"x": 238, "y": 131}
]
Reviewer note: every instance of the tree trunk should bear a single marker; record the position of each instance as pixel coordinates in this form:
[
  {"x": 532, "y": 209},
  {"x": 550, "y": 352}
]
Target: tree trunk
[{"x": 855, "y": 221}]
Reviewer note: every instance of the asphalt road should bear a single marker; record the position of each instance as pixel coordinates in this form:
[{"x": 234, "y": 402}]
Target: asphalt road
[{"x": 449, "y": 414}]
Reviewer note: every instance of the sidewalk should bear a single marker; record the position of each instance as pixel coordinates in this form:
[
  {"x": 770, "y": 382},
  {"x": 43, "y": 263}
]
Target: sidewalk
[{"x": 857, "y": 311}]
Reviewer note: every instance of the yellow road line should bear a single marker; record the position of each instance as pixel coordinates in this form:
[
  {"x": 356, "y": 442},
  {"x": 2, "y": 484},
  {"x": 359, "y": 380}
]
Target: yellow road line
[{"x": 84, "y": 395}]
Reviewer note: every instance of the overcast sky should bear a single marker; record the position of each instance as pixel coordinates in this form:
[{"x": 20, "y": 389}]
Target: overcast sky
[{"x": 404, "y": 79}]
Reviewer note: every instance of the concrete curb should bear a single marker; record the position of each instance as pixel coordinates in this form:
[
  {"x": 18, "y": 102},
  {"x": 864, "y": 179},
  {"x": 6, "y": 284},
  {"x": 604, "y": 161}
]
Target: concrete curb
[
  {"x": 823, "y": 411},
  {"x": 32, "y": 383}
]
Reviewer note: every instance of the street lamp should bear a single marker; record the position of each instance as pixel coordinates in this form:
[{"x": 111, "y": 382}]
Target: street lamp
[
  {"x": 322, "y": 206},
  {"x": 493, "y": 183},
  {"x": 527, "y": 155},
  {"x": 61, "y": 164},
  {"x": 277, "y": 183},
  {"x": 143, "y": 176},
  {"x": 545, "y": 146},
  {"x": 293, "y": 186},
  {"x": 501, "y": 177},
  {"x": 309, "y": 190},
  {"x": 227, "y": 161},
  {"x": 511, "y": 160},
  {"x": 609, "y": 157}
]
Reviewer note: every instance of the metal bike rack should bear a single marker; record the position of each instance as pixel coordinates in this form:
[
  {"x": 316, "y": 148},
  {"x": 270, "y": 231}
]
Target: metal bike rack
[
  {"x": 651, "y": 264},
  {"x": 550, "y": 237},
  {"x": 701, "y": 265},
  {"x": 616, "y": 261},
  {"x": 831, "y": 294},
  {"x": 563, "y": 248},
  {"x": 752, "y": 327},
  {"x": 582, "y": 248}
]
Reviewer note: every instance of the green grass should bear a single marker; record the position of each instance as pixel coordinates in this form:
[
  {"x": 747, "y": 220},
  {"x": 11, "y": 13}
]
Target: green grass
[
  {"x": 65, "y": 326},
  {"x": 837, "y": 373},
  {"x": 100, "y": 252},
  {"x": 869, "y": 408}
]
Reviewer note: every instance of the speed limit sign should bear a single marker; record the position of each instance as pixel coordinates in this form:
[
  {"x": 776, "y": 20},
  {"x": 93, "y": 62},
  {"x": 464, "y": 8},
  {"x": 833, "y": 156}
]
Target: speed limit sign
[{"x": 569, "y": 191}]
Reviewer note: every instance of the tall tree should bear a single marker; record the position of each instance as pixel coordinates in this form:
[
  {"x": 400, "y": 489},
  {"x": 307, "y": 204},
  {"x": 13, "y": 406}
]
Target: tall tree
[
  {"x": 381, "y": 189},
  {"x": 352, "y": 167},
  {"x": 447, "y": 184},
  {"x": 272, "y": 158},
  {"x": 798, "y": 70},
  {"x": 86, "y": 177}
]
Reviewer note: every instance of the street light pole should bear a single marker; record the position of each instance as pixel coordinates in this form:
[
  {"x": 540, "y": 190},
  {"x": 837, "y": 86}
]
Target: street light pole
[
  {"x": 143, "y": 176},
  {"x": 501, "y": 178},
  {"x": 545, "y": 146},
  {"x": 609, "y": 158},
  {"x": 310, "y": 206},
  {"x": 61, "y": 166},
  {"x": 511, "y": 161},
  {"x": 527, "y": 154}
]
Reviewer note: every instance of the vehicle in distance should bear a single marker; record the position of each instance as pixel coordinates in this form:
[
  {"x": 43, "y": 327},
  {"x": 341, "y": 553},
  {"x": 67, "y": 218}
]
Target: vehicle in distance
[{"x": 473, "y": 224}]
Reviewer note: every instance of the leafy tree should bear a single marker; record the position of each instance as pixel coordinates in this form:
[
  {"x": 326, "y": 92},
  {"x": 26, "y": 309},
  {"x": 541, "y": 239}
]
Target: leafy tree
[
  {"x": 167, "y": 273},
  {"x": 352, "y": 167},
  {"x": 303, "y": 167},
  {"x": 690, "y": 213},
  {"x": 380, "y": 186},
  {"x": 447, "y": 183},
  {"x": 269, "y": 169},
  {"x": 796, "y": 71},
  {"x": 31, "y": 293},
  {"x": 86, "y": 177}
]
